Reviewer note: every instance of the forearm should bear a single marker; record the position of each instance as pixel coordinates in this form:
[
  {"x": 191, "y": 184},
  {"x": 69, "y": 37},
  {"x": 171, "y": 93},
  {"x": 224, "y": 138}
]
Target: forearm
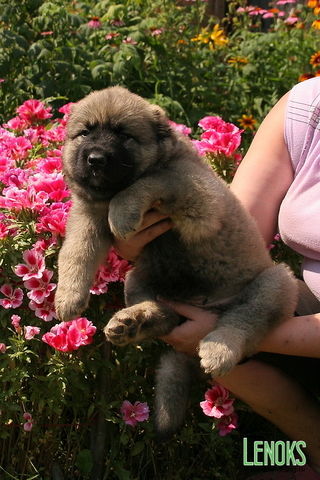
[{"x": 296, "y": 336}]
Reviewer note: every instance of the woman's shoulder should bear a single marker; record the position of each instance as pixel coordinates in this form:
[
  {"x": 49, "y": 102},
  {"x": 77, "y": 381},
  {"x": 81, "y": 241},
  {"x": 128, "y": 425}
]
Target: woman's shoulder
[{"x": 302, "y": 120}]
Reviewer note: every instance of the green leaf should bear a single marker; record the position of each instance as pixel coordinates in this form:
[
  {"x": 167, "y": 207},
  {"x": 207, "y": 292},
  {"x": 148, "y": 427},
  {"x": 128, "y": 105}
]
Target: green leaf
[
  {"x": 138, "y": 448},
  {"x": 84, "y": 461}
]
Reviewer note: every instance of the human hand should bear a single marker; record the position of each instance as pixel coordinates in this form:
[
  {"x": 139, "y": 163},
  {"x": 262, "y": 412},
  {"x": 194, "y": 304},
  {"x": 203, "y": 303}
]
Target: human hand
[
  {"x": 153, "y": 225},
  {"x": 186, "y": 337}
]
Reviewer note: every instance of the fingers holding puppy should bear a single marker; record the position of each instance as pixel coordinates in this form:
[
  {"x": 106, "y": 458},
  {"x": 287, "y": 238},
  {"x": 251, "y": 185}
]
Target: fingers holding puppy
[{"x": 153, "y": 225}]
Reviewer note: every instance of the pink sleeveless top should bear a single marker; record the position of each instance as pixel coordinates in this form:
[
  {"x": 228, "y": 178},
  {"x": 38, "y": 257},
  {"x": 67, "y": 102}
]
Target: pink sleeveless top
[{"x": 299, "y": 216}]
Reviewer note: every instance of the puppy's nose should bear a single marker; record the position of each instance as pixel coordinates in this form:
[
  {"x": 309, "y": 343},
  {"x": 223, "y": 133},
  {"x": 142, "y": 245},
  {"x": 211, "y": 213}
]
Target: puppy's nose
[{"x": 96, "y": 159}]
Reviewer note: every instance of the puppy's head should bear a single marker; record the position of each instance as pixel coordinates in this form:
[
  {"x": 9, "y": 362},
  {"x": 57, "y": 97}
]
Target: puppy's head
[{"x": 113, "y": 137}]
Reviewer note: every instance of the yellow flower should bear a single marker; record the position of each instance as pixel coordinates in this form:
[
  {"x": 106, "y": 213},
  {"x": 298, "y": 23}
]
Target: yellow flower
[
  {"x": 238, "y": 60},
  {"x": 218, "y": 37},
  {"x": 316, "y": 24},
  {"x": 247, "y": 122}
]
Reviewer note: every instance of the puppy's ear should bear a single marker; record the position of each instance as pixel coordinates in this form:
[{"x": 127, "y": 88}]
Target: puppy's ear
[{"x": 161, "y": 121}]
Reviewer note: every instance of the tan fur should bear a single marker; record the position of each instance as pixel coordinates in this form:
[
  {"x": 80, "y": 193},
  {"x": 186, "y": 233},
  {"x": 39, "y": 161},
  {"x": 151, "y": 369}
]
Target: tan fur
[{"x": 127, "y": 160}]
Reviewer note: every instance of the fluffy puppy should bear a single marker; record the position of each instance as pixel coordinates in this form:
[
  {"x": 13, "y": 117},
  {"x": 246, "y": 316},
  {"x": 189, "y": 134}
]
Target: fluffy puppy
[{"x": 121, "y": 158}]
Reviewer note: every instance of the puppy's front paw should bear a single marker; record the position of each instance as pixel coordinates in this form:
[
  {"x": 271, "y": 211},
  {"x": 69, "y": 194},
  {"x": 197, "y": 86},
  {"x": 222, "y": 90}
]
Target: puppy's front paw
[
  {"x": 217, "y": 359},
  {"x": 69, "y": 304},
  {"x": 127, "y": 326},
  {"x": 124, "y": 220}
]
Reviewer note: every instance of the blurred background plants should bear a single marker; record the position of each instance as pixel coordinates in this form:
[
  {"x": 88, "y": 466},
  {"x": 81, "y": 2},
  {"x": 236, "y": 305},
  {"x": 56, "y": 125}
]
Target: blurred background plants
[{"x": 192, "y": 64}]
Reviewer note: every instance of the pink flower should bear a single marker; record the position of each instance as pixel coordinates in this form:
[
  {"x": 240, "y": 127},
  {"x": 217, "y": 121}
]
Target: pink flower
[
  {"x": 69, "y": 336},
  {"x": 95, "y": 23},
  {"x": 17, "y": 124},
  {"x": 4, "y": 231},
  {"x": 217, "y": 403},
  {"x": 129, "y": 40},
  {"x": 14, "y": 296},
  {"x": 181, "y": 128},
  {"x": 217, "y": 124},
  {"x": 33, "y": 110},
  {"x": 80, "y": 332},
  {"x": 113, "y": 270},
  {"x": 29, "y": 423},
  {"x": 116, "y": 22},
  {"x": 291, "y": 20},
  {"x": 111, "y": 35},
  {"x": 227, "y": 424},
  {"x": 53, "y": 184},
  {"x": 3, "y": 348},
  {"x": 54, "y": 219},
  {"x": 30, "y": 332},
  {"x": 40, "y": 287},
  {"x": 33, "y": 267},
  {"x": 15, "y": 321},
  {"x": 44, "y": 310},
  {"x": 132, "y": 414},
  {"x": 19, "y": 148}
]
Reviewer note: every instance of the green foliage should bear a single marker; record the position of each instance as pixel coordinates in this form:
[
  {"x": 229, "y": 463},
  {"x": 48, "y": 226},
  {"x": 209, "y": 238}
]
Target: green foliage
[{"x": 49, "y": 51}]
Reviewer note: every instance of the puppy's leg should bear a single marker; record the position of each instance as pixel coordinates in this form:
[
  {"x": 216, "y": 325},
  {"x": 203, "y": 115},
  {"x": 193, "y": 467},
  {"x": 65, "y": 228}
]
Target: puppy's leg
[
  {"x": 269, "y": 299},
  {"x": 143, "y": 318},
  {"x": 86, "y": 245}
]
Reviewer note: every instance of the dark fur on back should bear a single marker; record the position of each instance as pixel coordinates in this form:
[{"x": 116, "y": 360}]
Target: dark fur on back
[{"x": 122, "y": 158}]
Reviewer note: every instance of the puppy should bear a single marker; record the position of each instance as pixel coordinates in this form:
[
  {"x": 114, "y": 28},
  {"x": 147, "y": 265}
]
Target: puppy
[{"x": 121, "y": 157}]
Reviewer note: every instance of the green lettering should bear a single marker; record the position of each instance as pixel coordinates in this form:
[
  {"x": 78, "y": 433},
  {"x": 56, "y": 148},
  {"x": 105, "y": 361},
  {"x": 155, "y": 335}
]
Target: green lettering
[
  {"x": 290, "y": 458},
  {"x": 279, "y": 450},
  {"x": 268, "y": 453},
  {"x": 257, "y": 448},
  {"x": 245, "y": 453},
  {"x": 303, "y": 459}
]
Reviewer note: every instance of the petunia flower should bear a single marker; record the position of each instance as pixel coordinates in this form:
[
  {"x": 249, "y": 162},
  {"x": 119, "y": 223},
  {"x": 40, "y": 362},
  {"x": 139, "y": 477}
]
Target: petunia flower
[
  {"x": 29, "y": 423},
  {"x": 132, "y": 414},
  {"x": 217, "y": 402},
  {"x": 14, "y": 296},
  {"x": 15, "y": 322},
  {"x": 33, "y": 267},
  {"x": 69, "y": 336},
  {"x": 227, "y": 424},
  {"x": 30, "y": 332},
  {"x": 40, "y": 287},
  {"x": 34, "y": 110}
]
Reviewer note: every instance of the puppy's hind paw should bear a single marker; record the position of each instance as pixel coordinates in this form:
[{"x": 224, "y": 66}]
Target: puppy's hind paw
[
  {"x": 130, "y": 325},
  {"x": 217, "y": 359}
]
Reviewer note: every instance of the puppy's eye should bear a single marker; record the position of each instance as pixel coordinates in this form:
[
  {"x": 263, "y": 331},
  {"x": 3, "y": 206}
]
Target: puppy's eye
[
  {"x": 84, "y": 133},
  {"x": 124, "y": 136}
]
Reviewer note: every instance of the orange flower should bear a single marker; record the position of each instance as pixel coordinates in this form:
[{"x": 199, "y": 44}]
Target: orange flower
[
  {"x": 316, "y": 24},
  {"x": 315, "y": 59},
  {"x": 305, "y": 76},
  {"x": 312, "y": 3}
]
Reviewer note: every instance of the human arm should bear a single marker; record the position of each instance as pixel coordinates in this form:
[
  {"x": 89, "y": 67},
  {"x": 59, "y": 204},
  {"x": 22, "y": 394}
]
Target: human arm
[
  {"x": 265, "y": 173},
  {"x": 260, "y": 183},
  {"x": 296, "y": 336}
]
